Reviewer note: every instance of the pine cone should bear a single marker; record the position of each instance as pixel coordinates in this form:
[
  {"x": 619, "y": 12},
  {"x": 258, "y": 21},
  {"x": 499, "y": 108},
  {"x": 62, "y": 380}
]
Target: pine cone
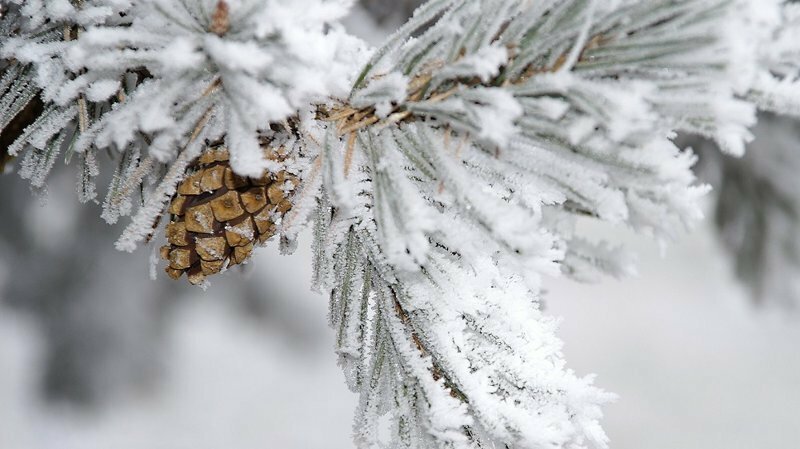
[{"x": 217, "y": 217}]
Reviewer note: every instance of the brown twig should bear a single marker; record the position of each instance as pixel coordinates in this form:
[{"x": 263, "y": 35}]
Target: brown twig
[
  {"x": 436, "y": 371},
  {"x": 348, "y": 155},
  {"x": 350, "y": 119}
]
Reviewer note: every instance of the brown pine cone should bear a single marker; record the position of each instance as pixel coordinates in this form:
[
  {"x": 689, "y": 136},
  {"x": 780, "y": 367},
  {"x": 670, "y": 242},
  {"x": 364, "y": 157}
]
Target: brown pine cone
[{"x": 217, "y": 217}]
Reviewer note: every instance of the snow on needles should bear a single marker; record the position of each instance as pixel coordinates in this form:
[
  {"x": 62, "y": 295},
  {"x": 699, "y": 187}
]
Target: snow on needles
[
  {"x": 268, "y": 59},
  {"x": 442, "y": 181},
  {"x": 518, "y": 119}
]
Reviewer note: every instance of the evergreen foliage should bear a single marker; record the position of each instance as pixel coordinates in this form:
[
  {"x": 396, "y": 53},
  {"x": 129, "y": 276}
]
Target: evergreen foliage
[{"x": 442, "y": 174}]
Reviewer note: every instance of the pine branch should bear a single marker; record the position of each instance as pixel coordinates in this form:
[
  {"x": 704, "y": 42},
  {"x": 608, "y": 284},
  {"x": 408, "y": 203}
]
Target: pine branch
[
  {"x": 35, "y": 36},
  {"x": 446, "y": 179},
  {"x": 776, "y": 86},
  {"x": 136, "y": 78},
  {"x": 490, "y": 135},
  {"x": 393, "y": 337},
  {"x": 17, "y": 121},
  {"x": 544, "y": 101}
]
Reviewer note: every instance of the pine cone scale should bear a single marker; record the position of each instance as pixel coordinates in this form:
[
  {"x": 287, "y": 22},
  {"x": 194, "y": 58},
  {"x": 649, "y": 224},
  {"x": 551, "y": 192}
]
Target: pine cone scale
[{"x": 217, "y": 217}]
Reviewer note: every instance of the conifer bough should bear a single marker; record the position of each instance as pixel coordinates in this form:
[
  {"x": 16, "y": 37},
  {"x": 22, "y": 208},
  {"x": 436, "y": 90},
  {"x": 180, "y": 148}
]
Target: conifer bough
[{"x": 442, "y": 174}]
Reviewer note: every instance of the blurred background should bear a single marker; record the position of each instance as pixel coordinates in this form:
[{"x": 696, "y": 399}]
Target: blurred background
[{"x": 95, "y": 355}]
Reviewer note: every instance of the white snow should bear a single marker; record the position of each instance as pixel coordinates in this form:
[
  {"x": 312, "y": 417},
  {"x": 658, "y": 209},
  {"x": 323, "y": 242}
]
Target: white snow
[
  {"x": 437, "y": 247},
  {"x": 695, "y": 367}
]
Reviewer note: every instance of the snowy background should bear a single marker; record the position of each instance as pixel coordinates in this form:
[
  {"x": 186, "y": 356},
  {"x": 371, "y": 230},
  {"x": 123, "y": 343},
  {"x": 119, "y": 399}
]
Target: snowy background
[
  {"x": 93, "y": 355},
  {"x": 694, "y": 364}
]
